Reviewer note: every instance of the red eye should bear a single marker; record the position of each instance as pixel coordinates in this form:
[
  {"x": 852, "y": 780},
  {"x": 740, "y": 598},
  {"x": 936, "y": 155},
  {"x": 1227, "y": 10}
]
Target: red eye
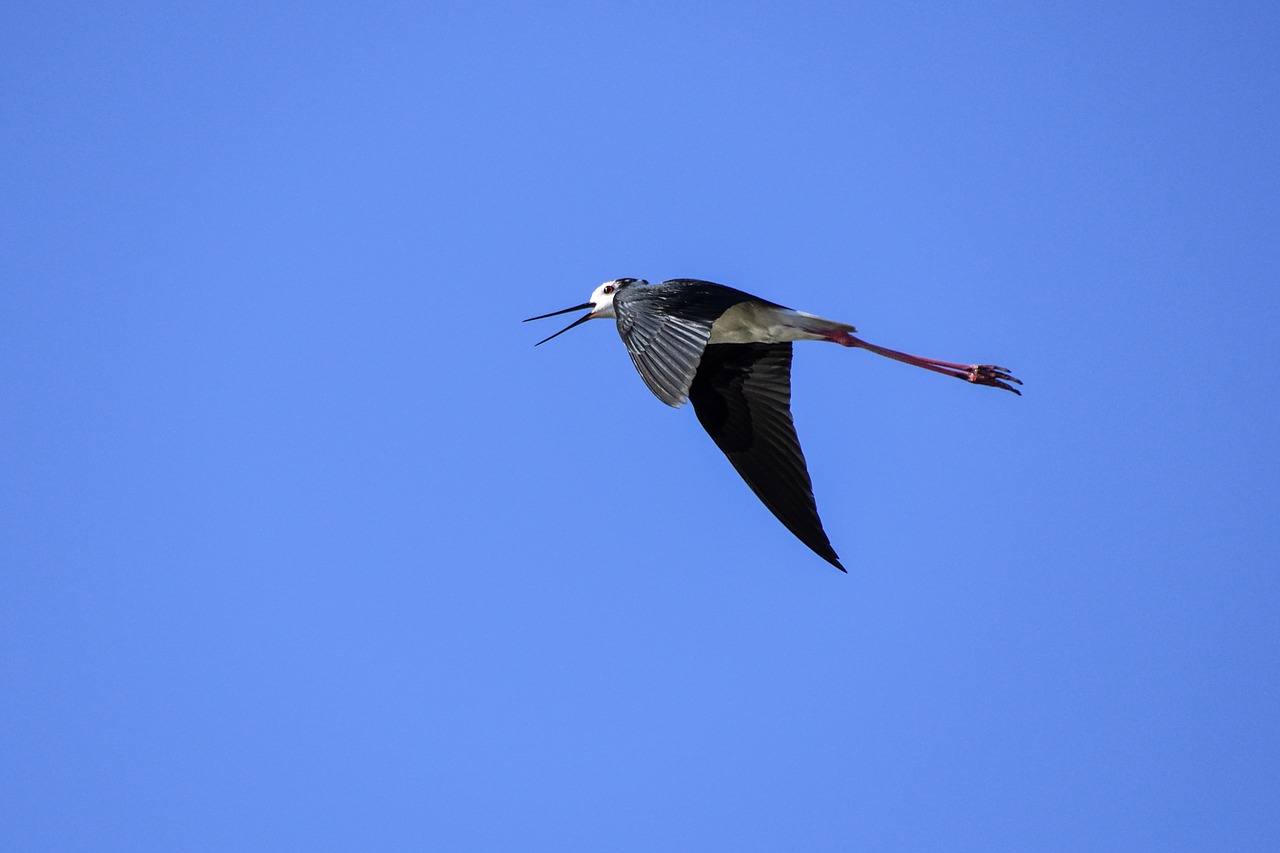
[{"x": 608, "y": 288}]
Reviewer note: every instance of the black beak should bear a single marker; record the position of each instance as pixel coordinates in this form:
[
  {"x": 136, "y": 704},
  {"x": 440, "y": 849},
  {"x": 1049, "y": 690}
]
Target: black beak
[{"x": 576, "y": 322}]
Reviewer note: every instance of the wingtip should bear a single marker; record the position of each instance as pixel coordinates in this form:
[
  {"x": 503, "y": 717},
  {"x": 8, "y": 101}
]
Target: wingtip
[{"x": 829, "y": 554}]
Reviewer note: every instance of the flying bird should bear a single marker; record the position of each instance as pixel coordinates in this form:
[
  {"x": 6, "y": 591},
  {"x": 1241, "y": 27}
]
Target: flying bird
[{"x": 730, "y": 354}]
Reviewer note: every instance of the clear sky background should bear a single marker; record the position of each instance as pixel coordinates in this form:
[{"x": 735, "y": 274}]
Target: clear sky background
[{"x": 304, "y": 546}]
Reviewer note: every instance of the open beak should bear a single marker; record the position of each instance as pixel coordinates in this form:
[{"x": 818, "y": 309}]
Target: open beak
[{"x": 576, "y": 322}]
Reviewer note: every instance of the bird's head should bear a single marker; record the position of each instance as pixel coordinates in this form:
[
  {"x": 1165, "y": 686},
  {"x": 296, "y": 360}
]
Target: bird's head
[{"x": 600, "y": 305}]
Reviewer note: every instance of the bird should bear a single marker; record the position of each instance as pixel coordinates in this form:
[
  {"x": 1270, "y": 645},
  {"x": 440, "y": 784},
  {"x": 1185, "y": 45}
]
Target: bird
[{"x": 729, "y": 353}]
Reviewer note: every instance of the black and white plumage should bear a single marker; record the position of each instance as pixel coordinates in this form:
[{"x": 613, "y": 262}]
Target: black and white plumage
[{"x": 730, "y": 354}]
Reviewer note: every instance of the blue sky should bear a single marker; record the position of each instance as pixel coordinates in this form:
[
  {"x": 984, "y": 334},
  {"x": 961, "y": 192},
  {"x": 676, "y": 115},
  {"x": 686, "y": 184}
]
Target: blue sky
[{"x": 306, "y": 547}]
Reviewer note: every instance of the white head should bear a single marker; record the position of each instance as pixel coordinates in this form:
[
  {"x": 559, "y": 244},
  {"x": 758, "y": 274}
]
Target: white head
[
  {"x": 600, "y": 305},
  {"x": 601, "y": 300}
]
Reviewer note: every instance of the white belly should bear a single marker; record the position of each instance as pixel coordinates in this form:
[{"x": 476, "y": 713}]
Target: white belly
[{"x": 751, "y": 322}]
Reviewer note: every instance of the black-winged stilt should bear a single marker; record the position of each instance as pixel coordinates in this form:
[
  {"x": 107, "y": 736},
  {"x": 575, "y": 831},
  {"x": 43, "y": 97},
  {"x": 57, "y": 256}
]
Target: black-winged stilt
[{"x": 730, "y": 353}]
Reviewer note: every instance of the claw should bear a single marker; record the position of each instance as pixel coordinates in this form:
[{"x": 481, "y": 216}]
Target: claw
[{"x": 995, "y": 377}]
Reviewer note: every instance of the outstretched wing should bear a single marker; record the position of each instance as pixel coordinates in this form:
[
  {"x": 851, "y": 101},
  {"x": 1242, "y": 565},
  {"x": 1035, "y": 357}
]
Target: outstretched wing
[
  {"x": 742, "y": 396},
  {"x": 665, "y": 327}
]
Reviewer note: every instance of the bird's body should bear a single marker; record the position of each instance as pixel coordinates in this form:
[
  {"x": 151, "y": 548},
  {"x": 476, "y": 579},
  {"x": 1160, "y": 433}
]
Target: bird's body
[
  {"x": 765, "y": 323},
  {"x": 730, "y": 353}
]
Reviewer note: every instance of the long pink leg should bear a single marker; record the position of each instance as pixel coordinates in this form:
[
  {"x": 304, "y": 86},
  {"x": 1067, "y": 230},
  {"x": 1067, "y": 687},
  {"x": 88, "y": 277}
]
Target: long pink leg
[{"x": 978, "y": 374}]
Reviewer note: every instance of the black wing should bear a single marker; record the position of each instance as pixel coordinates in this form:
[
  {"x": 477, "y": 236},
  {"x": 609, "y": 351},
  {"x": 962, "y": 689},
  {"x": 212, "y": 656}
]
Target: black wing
[
  {"x": 665, "y": 328},
  {"x": 742, "y": 396}
]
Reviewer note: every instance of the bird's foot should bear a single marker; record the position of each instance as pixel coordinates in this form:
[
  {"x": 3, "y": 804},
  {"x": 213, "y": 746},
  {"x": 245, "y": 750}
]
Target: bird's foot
[{"x": 996, "y": 377}]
